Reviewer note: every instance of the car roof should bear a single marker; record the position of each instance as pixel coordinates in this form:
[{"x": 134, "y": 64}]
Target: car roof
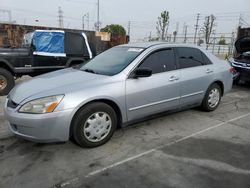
[{"x": 151, "y": 44}]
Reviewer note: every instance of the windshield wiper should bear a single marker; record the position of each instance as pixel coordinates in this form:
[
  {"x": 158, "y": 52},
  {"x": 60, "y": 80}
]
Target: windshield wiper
[{"x": 89, "y": 70}]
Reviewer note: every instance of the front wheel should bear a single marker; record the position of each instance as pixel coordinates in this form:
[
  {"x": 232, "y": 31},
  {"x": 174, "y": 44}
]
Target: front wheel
[
  {"x": 7, "y": 81},
  {"x": 94, "y": 124},
  {"x": 212, "y": 98}
]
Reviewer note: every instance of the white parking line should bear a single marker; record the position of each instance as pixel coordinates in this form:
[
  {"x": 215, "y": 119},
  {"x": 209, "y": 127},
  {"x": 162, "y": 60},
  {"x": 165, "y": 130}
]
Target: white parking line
[
  {"x": 149, "y": 151},
  {"x": 160, "y": 147}
]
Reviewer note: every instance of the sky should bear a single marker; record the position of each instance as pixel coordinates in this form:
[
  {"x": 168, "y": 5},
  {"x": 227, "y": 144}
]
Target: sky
[{"x": 142, "y": 14}]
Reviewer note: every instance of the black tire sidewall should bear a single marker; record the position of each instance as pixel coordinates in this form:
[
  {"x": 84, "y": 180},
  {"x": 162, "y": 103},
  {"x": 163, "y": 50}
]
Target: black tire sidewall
[
  {"x": 10, "y": 81},
  {"x": 205, "y": 105},
  {"x": 83, "y": 114}
]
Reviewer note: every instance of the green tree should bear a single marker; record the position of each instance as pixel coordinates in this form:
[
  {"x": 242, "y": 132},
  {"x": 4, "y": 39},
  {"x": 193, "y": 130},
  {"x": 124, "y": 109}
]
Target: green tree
[
  {"x": 162, "y": 25},
  {"x": 114, "y": 29},
  {"x": 222, "y": 41}
]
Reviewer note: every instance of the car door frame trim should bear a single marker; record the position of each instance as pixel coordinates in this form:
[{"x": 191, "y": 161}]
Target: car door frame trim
[
  {"x": 164, "y": 101},
  {"x": 192, "y": 94},
  {"x": 154, "y": 103}
]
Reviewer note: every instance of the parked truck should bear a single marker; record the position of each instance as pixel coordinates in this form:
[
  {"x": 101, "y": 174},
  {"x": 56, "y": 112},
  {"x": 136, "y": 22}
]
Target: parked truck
[{"x": 43, "y": 51}]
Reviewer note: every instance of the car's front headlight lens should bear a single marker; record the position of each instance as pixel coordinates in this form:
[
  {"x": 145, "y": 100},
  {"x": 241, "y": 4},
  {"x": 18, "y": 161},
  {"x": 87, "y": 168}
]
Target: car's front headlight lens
[{"x": 42, "y": 105}]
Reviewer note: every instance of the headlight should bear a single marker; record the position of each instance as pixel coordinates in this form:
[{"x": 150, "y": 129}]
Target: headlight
[{"x": 42, "y": 105}]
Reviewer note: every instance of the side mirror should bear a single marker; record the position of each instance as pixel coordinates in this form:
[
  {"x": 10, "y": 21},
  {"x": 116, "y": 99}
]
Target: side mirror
[{"x": 142, "y": 73}]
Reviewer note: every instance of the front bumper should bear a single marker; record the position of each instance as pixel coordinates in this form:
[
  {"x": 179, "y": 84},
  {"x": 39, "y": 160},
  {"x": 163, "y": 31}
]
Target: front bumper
[
  {"x": 51, "y": 127},
  {"x": 242, "y": 70},
  {"x": 244, "y": 74}
]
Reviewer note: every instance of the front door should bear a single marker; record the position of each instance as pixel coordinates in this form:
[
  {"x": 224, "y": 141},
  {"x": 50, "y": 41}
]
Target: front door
[{"x": 157, "y": 93}]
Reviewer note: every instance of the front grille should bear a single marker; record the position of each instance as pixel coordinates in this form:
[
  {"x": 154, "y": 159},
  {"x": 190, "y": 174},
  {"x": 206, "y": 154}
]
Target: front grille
[
  {"x": 241, "y": 65},
  {"x": 11, "y": 104}
]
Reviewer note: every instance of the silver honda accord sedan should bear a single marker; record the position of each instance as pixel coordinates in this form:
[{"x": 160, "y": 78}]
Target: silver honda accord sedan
[{"x": 124, "y": 84}]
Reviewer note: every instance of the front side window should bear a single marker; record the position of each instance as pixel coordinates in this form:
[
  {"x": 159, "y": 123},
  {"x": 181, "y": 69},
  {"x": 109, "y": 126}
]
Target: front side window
[
  {"x": 189, "y": 57},
  {"x": 160, "y": 61}
]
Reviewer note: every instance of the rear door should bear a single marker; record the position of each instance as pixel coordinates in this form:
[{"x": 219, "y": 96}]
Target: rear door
[
  {"x": 158, "y": 93},
  {"x": 196, "y": 74}
]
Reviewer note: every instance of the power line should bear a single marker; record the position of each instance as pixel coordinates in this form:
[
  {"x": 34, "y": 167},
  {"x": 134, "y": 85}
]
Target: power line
[{"x": 81, "y": 2}]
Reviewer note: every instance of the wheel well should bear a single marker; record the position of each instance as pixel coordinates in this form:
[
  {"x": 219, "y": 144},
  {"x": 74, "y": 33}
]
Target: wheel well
[
  {"x": 108, "y": 102},
  {"x": 3, "y": 65},
  {"x": 221, "y": 86}
]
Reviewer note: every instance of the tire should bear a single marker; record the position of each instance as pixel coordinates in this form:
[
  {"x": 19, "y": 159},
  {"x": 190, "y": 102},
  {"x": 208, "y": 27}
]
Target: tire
[
  {"x": 7, "y": 81},
  {"x": 212, "y": 105},
  {"x": 92, "y": 121}
]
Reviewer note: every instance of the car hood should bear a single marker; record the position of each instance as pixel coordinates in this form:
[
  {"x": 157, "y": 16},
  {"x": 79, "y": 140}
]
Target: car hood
[
  {"x": 62, "y": 80},
  {"x": 243, "y": 44}
]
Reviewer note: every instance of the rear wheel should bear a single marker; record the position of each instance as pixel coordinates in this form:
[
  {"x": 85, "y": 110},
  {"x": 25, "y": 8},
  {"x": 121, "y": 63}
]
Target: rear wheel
[
  {"x": 94, "y": 124},
  {"x": 212, "y": 98},
  {"x": 7, "y": 81}
]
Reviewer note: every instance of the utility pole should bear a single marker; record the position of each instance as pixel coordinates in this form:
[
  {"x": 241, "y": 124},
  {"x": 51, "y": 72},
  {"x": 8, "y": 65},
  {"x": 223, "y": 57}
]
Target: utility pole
[
  {"x": 213, "y": 43},
  {"x": 129, "y": 26},
  {"x": 150, "y": 36},
  {"x": 185, "y": 32},
  {"x": 88, "y": 19},
  {"x": 176, "y": 31},
  {"x": 240, "y": 21},
  {"x": 231, "y": 48},
  {"x": 60, "y": 16},
  {"x": 98, "y": 16},
  {"x": 83, "y": 20},
  {"x": 9, "y": 16},
  {"x": 196, "y": 27}
]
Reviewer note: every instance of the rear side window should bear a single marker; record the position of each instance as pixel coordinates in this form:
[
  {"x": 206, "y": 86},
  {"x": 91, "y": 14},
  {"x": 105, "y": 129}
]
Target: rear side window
[
  {"x": 75, "y": 44},
  {"x": 189, "y": 57},
  {"x": 206, "y": 60},
  {"x": 160, "y": 61}
]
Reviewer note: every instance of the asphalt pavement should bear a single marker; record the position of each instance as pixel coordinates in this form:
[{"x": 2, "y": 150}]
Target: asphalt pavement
[{"x": 185, "y": 149}]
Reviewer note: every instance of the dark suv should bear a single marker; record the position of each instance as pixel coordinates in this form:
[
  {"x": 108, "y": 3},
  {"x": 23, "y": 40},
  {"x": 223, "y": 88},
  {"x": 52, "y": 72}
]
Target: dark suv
[
  {"x": 241, "y": 62},
  {"x": 42, "y": 51}
]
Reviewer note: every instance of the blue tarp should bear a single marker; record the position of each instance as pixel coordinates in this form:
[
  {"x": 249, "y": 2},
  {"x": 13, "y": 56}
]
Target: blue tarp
[{"x": 50, "y": 42}]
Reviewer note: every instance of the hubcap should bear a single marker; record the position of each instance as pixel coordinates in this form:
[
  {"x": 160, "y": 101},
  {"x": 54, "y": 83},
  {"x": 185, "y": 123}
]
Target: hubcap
[
  {"x": 3, "y": 82},
  {"x": 214, "y": 98},
  {"x": 97, "y": 126}
]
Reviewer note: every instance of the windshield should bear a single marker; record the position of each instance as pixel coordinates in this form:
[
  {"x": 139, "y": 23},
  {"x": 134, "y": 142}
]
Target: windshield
[
  {"x": 27, "y": 39},
  {"x": 112, "y": 61}
]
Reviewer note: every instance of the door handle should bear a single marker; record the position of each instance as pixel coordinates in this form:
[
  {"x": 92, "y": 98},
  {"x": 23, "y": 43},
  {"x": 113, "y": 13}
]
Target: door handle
[
  {"x": 173, "y": 78},
  {"x": 209, "y": 71}
]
